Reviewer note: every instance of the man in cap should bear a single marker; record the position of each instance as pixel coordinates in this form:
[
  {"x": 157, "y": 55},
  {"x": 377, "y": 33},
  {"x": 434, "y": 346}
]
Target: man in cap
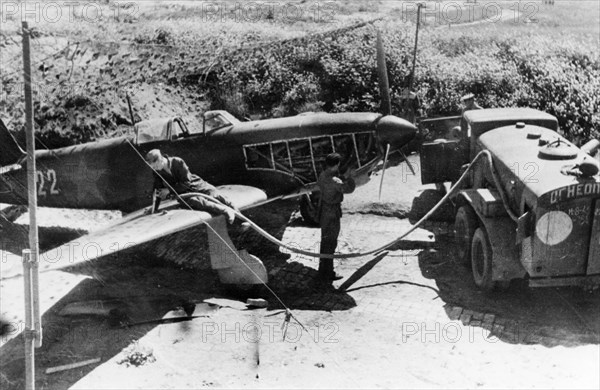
[
  {"x": 469, "y": 103},
  {"x": 409, "y": 105},
  {"x": 172, "y": 176},
  {"x": 333, "y": 186}
]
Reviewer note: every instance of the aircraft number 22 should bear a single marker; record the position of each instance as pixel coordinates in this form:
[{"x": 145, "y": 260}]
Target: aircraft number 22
[{"x": 47, "y": 183}]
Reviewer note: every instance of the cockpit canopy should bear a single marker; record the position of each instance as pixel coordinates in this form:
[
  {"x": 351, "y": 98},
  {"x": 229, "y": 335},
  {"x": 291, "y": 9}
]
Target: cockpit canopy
[
  {"x": 160, "y": 129},
  {"x": 218, "y": 119}
]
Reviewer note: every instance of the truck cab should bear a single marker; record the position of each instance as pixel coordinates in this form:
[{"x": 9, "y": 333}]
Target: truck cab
[{"x": 443, "y": 159}]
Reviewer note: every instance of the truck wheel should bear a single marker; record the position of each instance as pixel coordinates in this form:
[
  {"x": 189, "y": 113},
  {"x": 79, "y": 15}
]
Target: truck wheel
[
  {"x": 309, "y": 208},
  {"x": 481, "y": 260},
  {"x": 465, "y": 224}
]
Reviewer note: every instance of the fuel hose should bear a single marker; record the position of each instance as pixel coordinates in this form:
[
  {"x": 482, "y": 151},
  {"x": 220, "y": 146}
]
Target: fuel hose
[{"x": 262, "y": 232}]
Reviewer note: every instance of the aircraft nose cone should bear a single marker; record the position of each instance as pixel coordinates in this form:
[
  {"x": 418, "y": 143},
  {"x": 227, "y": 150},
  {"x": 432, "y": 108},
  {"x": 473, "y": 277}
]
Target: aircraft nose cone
[{"x": 395, "y": 131}]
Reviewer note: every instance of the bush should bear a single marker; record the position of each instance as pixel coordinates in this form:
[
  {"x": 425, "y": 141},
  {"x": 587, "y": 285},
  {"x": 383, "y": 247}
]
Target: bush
[
  {"x": 537, "y": 65},
  {"x": 339, "y": 73}
]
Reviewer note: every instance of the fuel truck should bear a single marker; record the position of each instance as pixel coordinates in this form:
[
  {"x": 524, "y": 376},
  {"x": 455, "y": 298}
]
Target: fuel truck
[{"x": 526, "y": 201}]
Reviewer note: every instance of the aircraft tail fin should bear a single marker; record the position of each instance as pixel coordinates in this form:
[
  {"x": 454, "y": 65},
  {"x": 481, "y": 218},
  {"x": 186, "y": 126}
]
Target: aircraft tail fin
[{"x": 10, "y": 151}]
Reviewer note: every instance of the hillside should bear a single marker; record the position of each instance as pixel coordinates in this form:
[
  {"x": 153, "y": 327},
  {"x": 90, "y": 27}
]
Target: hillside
[{"x": 182, "y": 58}]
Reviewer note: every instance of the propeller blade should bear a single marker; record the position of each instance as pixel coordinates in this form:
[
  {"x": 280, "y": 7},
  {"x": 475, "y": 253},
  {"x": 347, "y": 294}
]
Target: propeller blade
[
  {"x": 384, "y": 87},
  {"x": 385, "y": 158},
  {"x": 407, "y": 162}
]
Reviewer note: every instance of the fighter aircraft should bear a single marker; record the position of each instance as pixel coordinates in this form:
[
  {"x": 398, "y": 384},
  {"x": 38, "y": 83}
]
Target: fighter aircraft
[
  {"x": 253, "y": 162},
  {"x": 278, "y": 156},
  {"x": 265, "y": 160}
]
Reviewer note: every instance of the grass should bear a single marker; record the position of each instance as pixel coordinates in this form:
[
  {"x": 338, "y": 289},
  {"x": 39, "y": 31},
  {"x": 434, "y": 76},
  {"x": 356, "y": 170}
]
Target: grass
[{"x": 175, "y": 43}]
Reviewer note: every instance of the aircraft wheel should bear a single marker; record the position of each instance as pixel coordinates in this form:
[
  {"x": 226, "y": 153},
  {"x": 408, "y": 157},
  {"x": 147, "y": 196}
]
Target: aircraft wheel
[
  {"x": 481, "y": 260},
  {"x": 465, "y": 224},
  {"x": 309, "y": 208}
]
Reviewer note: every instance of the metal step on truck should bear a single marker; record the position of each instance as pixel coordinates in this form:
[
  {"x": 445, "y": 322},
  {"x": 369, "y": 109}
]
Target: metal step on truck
[{"x": 528, "y": 207}]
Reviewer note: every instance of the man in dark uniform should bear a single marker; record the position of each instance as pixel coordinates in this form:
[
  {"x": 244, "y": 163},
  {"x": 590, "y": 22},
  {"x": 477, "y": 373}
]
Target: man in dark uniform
[
  {"x": 333, "y": 186},
  {"x": 175, "y": 172}
]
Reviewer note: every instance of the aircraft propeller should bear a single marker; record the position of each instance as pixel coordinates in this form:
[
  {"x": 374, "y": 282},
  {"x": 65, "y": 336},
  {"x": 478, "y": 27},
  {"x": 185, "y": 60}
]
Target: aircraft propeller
[
  {"x": 384, "y": 86},
  {"x": 385, "y": 157},
  {"x": 387, "y": 127}
]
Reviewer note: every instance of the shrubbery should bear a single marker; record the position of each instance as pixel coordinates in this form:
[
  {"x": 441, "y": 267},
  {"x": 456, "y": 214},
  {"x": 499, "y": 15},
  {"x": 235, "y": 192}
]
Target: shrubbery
[
  {"x": 558, "y": 75},
  {"x": 552, "y": 65}
]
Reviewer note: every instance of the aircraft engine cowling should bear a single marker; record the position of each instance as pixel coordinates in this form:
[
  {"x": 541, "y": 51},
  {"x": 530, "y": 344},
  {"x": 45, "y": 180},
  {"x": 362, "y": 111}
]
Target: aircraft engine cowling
[{"x": 395, "y": 131}]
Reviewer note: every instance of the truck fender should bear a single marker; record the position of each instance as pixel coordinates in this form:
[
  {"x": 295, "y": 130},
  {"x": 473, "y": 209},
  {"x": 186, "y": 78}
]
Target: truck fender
[{"x": 506, "y": 264}]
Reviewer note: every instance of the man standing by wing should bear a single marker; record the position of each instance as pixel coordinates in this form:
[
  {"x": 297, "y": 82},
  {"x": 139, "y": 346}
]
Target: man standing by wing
[
  {"x": 333, "y": 186},
  {"x": 175, "y": 172}
]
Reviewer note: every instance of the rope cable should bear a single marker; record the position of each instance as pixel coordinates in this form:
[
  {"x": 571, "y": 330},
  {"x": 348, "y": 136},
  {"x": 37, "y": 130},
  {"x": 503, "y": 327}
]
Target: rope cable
[{"x": 351, "y": 255}]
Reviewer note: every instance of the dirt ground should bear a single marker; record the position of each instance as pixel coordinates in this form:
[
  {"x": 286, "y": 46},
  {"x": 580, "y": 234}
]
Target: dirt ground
[{"x": 408, "y": 318}]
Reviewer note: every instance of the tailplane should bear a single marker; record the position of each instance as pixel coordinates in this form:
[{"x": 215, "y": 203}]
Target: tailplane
[{"x": 10, "y": 151}]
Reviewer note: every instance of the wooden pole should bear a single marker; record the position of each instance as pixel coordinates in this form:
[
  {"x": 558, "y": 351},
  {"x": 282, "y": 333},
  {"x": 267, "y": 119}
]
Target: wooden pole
[
  {"x": 412, "y": 72},
  {"x": 30, "y": 259},
  {"x": 409, "y": 104},
  {"x": 28, "y": 332},
  {"x": 31, "y": 169}
]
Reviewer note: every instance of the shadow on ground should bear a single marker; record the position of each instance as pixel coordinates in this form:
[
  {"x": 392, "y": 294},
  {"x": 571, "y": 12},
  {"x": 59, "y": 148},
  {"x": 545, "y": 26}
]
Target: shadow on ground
[
  {"x": 142, "y": 290},
  {"x": 546, "y": 316},
  {"x": 145, "y": 287},
  {"x": 523, "y": 315},
  {"x": 297, "y": 285}
]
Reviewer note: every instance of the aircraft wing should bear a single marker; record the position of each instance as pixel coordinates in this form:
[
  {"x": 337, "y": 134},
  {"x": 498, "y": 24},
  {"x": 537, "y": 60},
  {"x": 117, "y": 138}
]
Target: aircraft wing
[{"x": 136, "y": 228}]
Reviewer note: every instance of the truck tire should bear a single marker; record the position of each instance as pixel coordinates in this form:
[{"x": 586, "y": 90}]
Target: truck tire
[
  {"x": 481, "y": 260},
  {"x": 309, "y": 208},
  {"x": 465, "y": 224}
]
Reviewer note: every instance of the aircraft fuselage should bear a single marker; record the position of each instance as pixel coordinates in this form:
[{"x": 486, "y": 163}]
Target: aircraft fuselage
[{"x": 276, "y": 155}]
